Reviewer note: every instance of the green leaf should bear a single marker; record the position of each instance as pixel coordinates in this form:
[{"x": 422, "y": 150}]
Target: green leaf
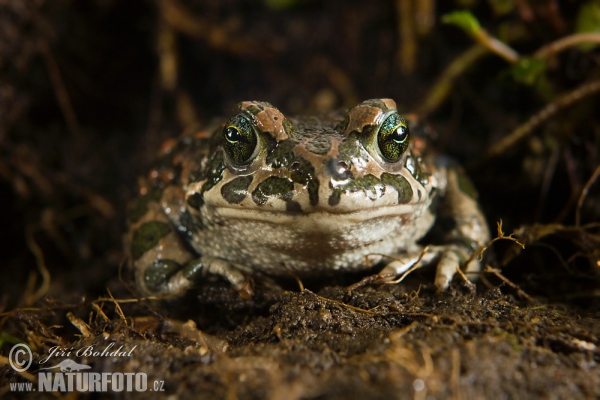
[
  {"x": 464, "y": 20},
  {"x": 528, "y": 70},
  {"x": 8, "y": 338},
  {"x": 588, "y": 20}
]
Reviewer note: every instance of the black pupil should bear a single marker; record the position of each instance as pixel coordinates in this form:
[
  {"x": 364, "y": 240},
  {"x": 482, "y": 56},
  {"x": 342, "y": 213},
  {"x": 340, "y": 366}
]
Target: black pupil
[
  {"x": 232, "y": 134},
  {"x": 399, "y": 134}
]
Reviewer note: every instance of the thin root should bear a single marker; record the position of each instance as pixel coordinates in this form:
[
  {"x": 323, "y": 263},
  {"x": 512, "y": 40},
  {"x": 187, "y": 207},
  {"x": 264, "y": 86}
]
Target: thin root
[
  {"x": 584, "y": 193},
  {"x": 499, "y": 275},
  {"x": 41, "y": 265}
]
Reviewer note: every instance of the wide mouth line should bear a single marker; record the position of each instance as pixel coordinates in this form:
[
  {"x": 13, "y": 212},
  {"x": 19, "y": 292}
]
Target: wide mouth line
[{"x": 389, "y": 210}]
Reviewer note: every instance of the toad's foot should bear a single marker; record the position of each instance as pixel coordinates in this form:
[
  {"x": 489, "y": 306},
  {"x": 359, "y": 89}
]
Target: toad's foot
[
  {"x": 449, "y": 259},
  {"x": 167, "y": 278}
]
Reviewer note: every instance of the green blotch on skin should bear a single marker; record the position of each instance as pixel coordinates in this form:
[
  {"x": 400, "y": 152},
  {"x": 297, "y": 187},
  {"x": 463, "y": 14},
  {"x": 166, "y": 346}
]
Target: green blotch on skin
[
  {"x": 273, "y": 186},
  {"x": 402, "y": 186},
  {"x": 214, "y": 170},
  {"x": 369, "y": 184},
  {"x": 147, "y": 236},
  {"x": 195, "y": 201},
  {"x": 236, "y": 190},
  {"x": 213, "y": 173},
  {"x": 351, "y": 148},
  {"x": 304, "y": 173},
  {"x": 293, "y": 206},
  {"x": 193, "y": 269},
  {"x": 281, "y": 155},
  {"x": 289, "y": 129},
  {"x": 436, "y": 201},
  {"x": 335, "y": 197},
  {"x": 140, "y": 206},
  {"x": 159, "y": 272},
  {"x": 342, "y": 126},
  {"x": 413, "y": 165},
  {"x": 186, "y": 220}
]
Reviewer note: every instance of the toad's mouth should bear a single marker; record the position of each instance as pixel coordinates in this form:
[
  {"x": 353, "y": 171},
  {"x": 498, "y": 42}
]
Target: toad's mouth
[
  {"x": 320, "y": 235},
  {"x": 320, "y": 219}
]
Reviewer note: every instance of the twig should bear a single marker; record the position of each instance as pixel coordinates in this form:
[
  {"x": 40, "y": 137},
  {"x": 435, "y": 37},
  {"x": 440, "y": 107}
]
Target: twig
[
  {"x": 118, "y": 307},
  {"x": 41, "y": 265},
  {"x": 537, "y": 119},
  {"x": 62, "y": 95},
  {"x": 411, "y": 269},
  {"x": 299, "y": 281},
  {"x": 100, "y": 312},
  {"x": 442, "y": 87},
  {"x": 584, "y": 193},
  {"x": 499, "y": 275},
  {"x": 565, "y": 42},
  {"x": 407, "y": 51},
  {"x": 376, "y": 278},
  {"x": 80, "y": 325},
  {"x": 126, "y": 301},
  {"x": 553, "y": 249},
  {"x": 462, "y": 275},
  {"x": 339, "y": 303},
  {"x": 496, "y": 46},
  {"x": 501, "y": 236},
  {"x": 183, "y": 20}
]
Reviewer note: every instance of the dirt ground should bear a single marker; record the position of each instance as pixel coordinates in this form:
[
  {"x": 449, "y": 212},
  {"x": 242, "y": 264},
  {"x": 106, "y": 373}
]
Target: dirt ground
[{"x": 89, "y": 91}]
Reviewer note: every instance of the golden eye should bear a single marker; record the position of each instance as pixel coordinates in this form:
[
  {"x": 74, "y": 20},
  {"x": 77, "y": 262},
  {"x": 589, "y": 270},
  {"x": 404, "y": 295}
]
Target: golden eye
[
  {"x": 239, "y": 139},
  {"x": 392, "y": 137}
]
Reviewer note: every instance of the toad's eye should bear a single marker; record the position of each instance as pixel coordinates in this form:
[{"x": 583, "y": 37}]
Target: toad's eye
[
  {"x": 239, "y": 140},
  {"x": 392, "y": 137}
]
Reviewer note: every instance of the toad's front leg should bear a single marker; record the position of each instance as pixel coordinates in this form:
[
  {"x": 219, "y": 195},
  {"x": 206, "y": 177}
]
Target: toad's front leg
[
  {"x": 163, "y": 263},
  {"x": 461, "y": 227}
]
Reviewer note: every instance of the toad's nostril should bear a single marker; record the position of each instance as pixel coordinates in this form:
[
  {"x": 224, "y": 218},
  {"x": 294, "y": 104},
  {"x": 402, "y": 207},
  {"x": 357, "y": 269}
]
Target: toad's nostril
[{"x": 339, "y": 170}]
